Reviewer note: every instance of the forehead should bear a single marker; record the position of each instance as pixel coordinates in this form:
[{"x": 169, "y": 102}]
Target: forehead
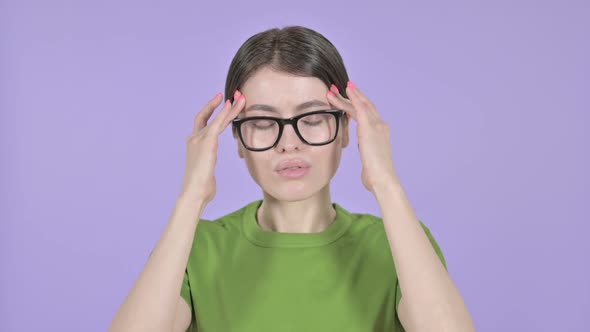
[{"x": 281, "y": 90}]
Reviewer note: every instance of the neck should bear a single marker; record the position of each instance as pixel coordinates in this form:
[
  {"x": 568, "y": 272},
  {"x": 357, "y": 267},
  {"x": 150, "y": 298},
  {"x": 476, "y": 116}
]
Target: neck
[{"x": 310, "y": 215}]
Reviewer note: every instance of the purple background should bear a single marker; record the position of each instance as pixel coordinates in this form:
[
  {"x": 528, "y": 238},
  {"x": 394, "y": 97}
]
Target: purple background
[{"x": 488, "y": 106}]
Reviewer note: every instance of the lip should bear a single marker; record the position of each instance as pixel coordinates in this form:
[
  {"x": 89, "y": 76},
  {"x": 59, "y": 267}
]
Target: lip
[
  {"x": 294, "y": 162},
  {"x": 296, "y": 173}
]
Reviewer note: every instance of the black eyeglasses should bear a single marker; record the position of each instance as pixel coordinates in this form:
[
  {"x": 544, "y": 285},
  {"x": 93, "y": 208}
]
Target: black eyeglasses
[{"x": 260, "y": 133}]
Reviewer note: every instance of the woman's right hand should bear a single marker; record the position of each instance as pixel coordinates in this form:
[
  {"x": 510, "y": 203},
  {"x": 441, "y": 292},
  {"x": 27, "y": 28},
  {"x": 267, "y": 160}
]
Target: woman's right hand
[{"x": 202, "y": 144}]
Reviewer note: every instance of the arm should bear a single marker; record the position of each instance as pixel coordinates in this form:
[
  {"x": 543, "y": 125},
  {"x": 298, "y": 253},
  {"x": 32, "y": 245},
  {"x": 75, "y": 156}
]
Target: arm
[
  {"x": 431, "y": 301},
  {"x": 183, "y": 317},
  {"x": 152, "y": 304}
]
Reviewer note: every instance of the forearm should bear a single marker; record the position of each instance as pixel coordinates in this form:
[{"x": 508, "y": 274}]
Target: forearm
[
  {"x": 432, "y": 300},
  {"x": 151, "y": 303}
]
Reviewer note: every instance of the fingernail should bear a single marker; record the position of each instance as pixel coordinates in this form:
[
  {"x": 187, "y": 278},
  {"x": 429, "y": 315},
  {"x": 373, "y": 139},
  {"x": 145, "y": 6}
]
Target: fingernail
[
  {"x": 217, "y": 95},
  {"x": 351, "y": 85},
  {"x": 236, "y": 94},
  {"x": 331, "y": 93},
  {"x": 335, "y": 87},
  {"x": 242, "y": 97}
]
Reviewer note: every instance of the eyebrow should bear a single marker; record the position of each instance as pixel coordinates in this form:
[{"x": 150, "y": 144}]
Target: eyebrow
[{"x": 300, "y": 107}]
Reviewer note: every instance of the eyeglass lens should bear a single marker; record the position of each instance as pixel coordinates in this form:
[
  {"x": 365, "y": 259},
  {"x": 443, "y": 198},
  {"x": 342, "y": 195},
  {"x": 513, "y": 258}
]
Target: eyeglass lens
[{"x": 263, "y": 133}]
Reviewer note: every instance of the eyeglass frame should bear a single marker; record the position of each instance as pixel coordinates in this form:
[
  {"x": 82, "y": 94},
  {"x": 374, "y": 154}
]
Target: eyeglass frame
[{"x": 236, "y": 123}]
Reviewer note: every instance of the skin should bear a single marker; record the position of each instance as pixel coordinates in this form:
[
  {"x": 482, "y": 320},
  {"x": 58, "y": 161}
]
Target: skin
[
  {"x": 430, "y": 301},
  {"x": 291, "y": 205}
]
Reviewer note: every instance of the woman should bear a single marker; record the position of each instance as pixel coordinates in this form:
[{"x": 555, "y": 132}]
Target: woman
[{"x": 294, "y": 260}]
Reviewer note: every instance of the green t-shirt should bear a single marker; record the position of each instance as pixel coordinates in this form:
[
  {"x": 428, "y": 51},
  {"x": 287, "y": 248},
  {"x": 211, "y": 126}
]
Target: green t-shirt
[{"x": 240, "y": 277}]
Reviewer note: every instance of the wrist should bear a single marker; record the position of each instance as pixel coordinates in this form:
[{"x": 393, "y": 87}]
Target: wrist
[
  {"x": 387, "y": 188},
  {"x": 191, "y": 201}
]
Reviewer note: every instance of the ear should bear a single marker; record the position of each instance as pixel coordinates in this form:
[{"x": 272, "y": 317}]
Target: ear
[
  {"x": 345, "y": 130},
  {"x": 238, "y": 144},
  {"x": 240, "y": 152}
]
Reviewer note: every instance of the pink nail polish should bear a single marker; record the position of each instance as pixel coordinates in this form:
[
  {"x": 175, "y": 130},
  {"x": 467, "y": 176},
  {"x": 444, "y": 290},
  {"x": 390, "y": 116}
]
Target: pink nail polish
[
  {"x": 331, "y": 93},
  {"x": 236, "y": 94},
  {"x": 351, "y": 85},
  {"x": 335, "y": 87}
]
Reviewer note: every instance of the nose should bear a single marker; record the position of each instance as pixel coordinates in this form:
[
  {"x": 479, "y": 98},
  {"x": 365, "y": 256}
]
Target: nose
[{"x": 289, "y": 140}]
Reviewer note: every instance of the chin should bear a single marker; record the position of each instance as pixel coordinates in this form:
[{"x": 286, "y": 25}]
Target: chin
[{"x": 289, "y": 197}]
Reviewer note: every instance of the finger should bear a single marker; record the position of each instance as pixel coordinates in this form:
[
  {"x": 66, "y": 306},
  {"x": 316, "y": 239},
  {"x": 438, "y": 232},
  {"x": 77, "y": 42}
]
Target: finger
[
  {"x": 237, "y": 95},
  {"x": 366, "y": 109},
  {"x": 236, "y": 109},
  {"x": 203, "y": 116},
  {"x": 359, "y": 106},
  {"x": 343, "y": 100},
  {"x": 369, "y": 106},
  {"x": 227, "y": 114},
  {"x": 216, "y": 123},
  {"x": 336, "y": 91},
  {"x": 343, "y": 105}
]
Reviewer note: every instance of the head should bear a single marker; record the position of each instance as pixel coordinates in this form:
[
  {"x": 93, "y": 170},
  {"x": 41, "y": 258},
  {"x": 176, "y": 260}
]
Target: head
[{"x": 284, "y": 68}]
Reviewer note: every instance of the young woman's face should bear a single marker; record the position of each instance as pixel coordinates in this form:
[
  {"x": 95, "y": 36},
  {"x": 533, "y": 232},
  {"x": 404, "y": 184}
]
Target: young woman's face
[{"x": 284, "y": 93}]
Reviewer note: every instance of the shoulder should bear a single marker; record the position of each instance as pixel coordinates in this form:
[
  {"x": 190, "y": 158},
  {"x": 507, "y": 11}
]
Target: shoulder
[
  {"x": 221, "y": 227},
  {"x": 213, "y": 237},
  {"x": 382, "y": 242},
  {"x": 231, "y": 219},
  {"x": 365, "y": 228},
  {"x": 375, "y": 223},
  {"x": 373, "y": 228}
]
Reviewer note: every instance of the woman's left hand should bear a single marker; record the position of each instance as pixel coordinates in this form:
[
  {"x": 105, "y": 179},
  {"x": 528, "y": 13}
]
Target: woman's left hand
[{"x": 373, "y": 136}]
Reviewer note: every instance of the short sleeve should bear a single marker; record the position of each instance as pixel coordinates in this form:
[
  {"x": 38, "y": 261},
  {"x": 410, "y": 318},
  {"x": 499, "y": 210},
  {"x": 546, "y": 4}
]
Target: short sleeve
[
  {"x": 185, "y": 291},
  {"x": 398, "y": 291}
]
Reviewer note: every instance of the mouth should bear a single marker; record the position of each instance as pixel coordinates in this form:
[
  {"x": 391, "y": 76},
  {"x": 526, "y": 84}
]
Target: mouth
[
  {"x": 294, "y": 167},
  {"x": 293, "y": 164},
  {"x": 294, "y": 172}
]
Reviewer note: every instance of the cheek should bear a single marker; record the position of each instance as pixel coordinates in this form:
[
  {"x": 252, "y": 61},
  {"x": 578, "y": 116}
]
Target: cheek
[
  {"x": 258, "y": 163},
  {"x": 333, "y": 159},
  {"x": 325, "y": 161}
]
